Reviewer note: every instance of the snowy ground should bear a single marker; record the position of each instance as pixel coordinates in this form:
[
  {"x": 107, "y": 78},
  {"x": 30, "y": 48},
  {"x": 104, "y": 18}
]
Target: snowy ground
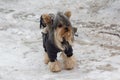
[{"x": 97, "y": 48}]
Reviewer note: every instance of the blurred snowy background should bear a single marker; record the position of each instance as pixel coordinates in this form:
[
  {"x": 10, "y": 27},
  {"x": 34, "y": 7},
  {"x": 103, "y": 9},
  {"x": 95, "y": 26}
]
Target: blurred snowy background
[{"x": 97, "y": 48}]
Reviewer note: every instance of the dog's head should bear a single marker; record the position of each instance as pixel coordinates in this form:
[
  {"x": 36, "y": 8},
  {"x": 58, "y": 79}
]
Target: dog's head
[{"x": 63, "y": 31}]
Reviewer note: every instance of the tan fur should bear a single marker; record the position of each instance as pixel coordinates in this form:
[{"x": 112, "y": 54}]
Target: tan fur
[
  {"x": 68, "y": 14},
  {"x": 68, "y": 35},
  {"x": 46, "y": 58},
  {"x": 58, "y": 39},
  {"x": 46, "y": 18},
  {"x": 59, "y": 34},
  {"x": 63, "y": 56},
  {"x": 55, "y": 66},
  {"x": 69, "y": 62}
]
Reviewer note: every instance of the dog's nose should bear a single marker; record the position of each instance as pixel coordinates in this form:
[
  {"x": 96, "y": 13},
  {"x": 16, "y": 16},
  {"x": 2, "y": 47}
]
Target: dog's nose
[{"x": 66, "y": 29}]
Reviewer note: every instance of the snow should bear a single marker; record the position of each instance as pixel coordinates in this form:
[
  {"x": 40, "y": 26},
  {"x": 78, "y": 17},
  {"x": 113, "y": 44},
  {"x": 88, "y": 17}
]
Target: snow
[{"x": 97, "y": 47}]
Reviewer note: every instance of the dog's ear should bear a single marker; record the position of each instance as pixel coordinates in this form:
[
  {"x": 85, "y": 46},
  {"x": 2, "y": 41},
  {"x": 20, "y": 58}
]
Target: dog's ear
[
  {"x": 68, "y": 14},
  {"x": 46, "y": 18}
]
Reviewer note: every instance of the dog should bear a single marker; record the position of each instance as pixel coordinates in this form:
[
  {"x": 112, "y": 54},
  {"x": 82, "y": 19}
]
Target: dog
[{"x": 58, "y": 36}]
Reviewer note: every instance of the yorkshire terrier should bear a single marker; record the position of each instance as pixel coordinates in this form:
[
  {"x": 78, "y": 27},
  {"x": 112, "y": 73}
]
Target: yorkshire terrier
[{"x": 58, "y": 36}]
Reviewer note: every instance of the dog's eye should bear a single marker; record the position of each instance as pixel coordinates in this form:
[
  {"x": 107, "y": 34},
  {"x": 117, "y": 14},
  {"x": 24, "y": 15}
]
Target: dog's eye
[{"x": 60, "y": 25}]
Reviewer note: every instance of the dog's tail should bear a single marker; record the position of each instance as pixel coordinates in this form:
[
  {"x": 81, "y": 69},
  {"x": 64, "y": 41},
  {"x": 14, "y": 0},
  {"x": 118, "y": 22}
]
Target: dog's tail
[{"x": 42, "y": 23}]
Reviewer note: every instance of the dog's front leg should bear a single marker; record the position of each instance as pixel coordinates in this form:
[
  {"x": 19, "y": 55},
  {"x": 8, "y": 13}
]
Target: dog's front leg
[
  {"x": 54, "y": 64},
  {"x": 69, "y": 59},
  {"x": 52, "y": 51}
]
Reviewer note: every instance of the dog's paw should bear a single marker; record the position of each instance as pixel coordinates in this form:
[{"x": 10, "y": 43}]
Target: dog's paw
[
  {"x": 55, "y": 66},
  {"x": 69, "y": 62},
  {"x": 46, "y": 58}
]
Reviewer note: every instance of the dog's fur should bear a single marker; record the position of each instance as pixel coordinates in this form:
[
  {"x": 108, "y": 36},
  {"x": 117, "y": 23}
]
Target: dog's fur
[{"x": 58, "y": 36}]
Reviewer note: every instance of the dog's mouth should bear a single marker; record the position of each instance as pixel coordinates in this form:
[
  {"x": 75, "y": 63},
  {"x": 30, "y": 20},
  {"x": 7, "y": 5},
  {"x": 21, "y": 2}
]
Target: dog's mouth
[
  {"x": 64, "y": 41},
  {"x": 66, "y": 35}
]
